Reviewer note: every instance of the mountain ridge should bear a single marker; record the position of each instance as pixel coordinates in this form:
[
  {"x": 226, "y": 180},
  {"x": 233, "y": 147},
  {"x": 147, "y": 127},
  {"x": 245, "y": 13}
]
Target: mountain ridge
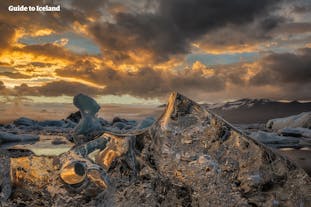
[{"x": 246, "y": 110}]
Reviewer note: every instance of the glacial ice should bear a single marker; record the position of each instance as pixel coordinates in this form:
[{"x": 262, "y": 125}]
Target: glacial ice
[
  {"x": 89, "y": 125},
  {"x": 273, "y": 138},
  {"x": 24, "y": 121},
  {"x": 217, "y": 165},
  {"x": 147, "y": 122},
  {"x": 296, "y": 132},
  {"x": 9, "y": 137},
  {"x": 301, "y": 120}
]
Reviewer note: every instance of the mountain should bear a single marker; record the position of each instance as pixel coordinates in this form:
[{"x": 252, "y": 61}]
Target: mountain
[{"x": 245, "y": 111}]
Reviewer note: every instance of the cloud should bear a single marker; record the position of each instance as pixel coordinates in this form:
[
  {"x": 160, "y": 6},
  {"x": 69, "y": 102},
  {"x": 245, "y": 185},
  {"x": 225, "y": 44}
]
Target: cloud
[
  {"x": 49, "y": 50},
  {"x": 40, "y": 64},
  {"x": 138, "y": 32},
  {"x": 274, "y": 75},
  {"x": 7, "y": 33},
  {"x": 56, "y": 88},
  {"x": 2, "y": 86},
  {"x": 14, "y": 75},
  {"x": 197, "y": 17},
  {"x": 293, "y": 28},
  {"x": 283, "y": 68},
  {"x": 145, "y": 43},
  {"x": 31, "y": 21},
  {"x": 89, "y": 6},
  {"x": 177, "y": 23},
  {"x": 145, "y": 82}
]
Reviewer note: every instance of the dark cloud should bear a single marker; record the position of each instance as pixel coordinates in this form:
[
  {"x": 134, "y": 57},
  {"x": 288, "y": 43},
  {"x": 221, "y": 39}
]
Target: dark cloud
[
  {"x": 7, "y": 33},
  {"x": 40, "y": 64},
  {"x": 197, "y": 17},
  {"x": 197, "y": 83},
  {"x": 285, "y": 68},
  {"x": 138, "y": 31},
  {"x": 301, "y": 7},
  {"x": 14, "y": 75},
  {"x": 293, "y": 28},
  {"x": 11, "y": 72},
  {"x": 153, "y": 34},
  {"x": 49, "y": 50},
  {"x": 30, "y": 22},
  {"x": 2, "y": 86},
  {"x": 146, "y": 82},
  {"x": 279, "y": 76},
  {"x": 66, "y": 88},
  {"x": 25, "y": 90},
  {"x": 89, "y": 6},
  {"x": 56, "y": 88},
  {"x": 176, "y": 23}
]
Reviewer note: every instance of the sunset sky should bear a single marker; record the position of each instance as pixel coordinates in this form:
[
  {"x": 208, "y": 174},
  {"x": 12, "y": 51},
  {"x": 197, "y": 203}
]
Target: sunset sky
[{"x": 138, "y": 51}]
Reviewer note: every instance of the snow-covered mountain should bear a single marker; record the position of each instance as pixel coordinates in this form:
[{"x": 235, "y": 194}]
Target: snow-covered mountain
[
  {"x": 257, "y": 110},
  {"x": 239, "y": 103}
]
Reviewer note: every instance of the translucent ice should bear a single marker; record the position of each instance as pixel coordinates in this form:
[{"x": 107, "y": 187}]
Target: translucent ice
[{"x": 89, "y": 126}]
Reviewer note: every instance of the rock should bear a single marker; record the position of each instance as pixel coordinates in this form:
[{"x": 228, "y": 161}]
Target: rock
[
  {"x": 89, "y": 126},
  {"x": 295, "y": 132},
  {"x": 8, "y": 137},
  {"x": 301, "y": 120}
]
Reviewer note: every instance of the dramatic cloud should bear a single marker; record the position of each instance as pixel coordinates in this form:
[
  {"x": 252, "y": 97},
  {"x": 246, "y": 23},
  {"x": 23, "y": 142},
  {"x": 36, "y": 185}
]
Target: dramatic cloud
[
  {"x": 146, "y": 82},
  {"x": 7, "y": 33},
  {"x": 57, "y": 88},
  {"x": 88, "y": 6},
  {"x": 2, "y": 86},
  {"x": 14, "y": 75},
  {"x": 176, "y": 24},
  {"x": 49, "y": 50},
  {"x": 285, "y": 68},
  {"x": 142, "y": 48},
  {"x": 194, "y": 18}
]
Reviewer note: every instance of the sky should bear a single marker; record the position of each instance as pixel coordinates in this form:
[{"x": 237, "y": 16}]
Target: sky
[{"x": 138, "y": 51}]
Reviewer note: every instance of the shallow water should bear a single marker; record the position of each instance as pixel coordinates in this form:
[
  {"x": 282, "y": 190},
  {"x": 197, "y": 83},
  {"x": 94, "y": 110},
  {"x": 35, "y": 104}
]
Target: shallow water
[{"x": 44, "y": 146}]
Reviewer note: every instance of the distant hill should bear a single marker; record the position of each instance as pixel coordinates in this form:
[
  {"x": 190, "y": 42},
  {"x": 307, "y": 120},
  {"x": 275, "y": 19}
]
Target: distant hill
[{"x": 246, "y": 111}]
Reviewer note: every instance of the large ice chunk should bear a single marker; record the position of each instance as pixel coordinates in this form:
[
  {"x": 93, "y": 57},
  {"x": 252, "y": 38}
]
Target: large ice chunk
[
  {"x": 301, "y": 120},
  {"x": 9, "y": 137},
  {"x": 274, "y": 140},
  {"x": 89, "y": 126},
  {"x": 296, "y": 132}
]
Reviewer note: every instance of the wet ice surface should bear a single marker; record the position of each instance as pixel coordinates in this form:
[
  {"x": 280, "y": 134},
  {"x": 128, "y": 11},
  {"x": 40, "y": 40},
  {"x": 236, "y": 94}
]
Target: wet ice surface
[
  {"x": 52, "y": 137},
  {"x": 48, "y": 145}
]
